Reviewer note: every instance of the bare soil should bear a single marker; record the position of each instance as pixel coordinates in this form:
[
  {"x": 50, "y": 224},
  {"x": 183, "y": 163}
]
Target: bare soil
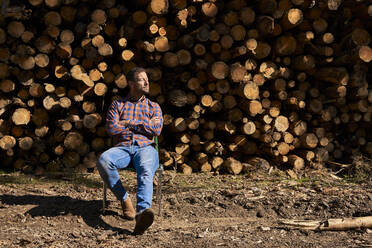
[{"x": 200, "y": 210}]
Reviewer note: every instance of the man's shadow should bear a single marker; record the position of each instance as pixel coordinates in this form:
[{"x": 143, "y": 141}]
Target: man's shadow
[{"x": 52, "y": 206}]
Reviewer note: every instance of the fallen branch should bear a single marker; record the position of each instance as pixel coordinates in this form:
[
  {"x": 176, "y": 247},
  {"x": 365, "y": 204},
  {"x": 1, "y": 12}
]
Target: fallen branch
[
  {"x": 339, "y": 164},
  {"x": 331, "y": 224}
]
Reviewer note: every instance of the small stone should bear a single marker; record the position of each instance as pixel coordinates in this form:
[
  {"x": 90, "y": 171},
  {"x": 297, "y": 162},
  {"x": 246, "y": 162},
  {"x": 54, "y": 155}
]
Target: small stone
[
  {"x": 260, "y": 212},
  {"x": 200, "y": 235},
  {"x": 173, "y": 201},
  {"x": 264, "y": 228},
  {"x": 369, "y": 195},
  {"x": 102, "y": 237}
]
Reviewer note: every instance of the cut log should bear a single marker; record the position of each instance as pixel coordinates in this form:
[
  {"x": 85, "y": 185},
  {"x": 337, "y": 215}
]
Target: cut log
[
  {"x": 159, "y": 7},
  {"x": 259, "y": 163},
  {"x": 53, "y": 3},
  {"x": 73, "y": 141},
  {"x": 238, "y": 32},
  {"x": 233, "y": 166},
  {"x": 343, "y": 224},
  {"x": 206, "y": 100},
  {"x": 281, "y": 123},
  {"x": 337, "y": 75},
  {"x": 299, "y": 128},
  {"x": 7, "y": 142},
  {"x": 304, "y": 62},
  {"x": 178, "y": 98},
  {"x": 296, "y": 162},
  {"x": 27, "y": 63},
  {"x": 100, "y": 89},
  {"x": 92, "y": 120},
  {"x": 216, "y": 162},
  {"x": 309, "y": 140},
  {"x": 184, "y": 57},
  {"x": 182, "y": 149},
  {"x": 237, "y": 72},
  {"x": 185, "y": 169},
  {"x": 70, "y": 159},
  {"x": 170, "y": 60},
  {"x": 36, "y": 90},
  {"x": 42, "y": 60},
  {"x": 35, "y": 2},
  {"x": 52, "y": 18},
  {"x": 283, "y": 148},
  {"x": 161, "y": 44},
  {"x": 105, "y": 50},
  {"x": 16, "y": 29},
  {"x": 179, "y": 125},
  {"x": 98, "y": 144},
  {"x": 247, "y": 16},
  {"x": 285, "y": 45},
  {"x": 7, "y": 86},
  {"x": 267, "y": 6},
  {"x": 365, "y": 53},
  {"x": 25, "y": 143},
  {"x": 251, "y": 91},
  {"x": 249, "y": 128},
  {"x": 292, "y": 18},
  {"x": 21, "y": 116},
  {"x": 306, "y": 154},
  {"x": 262, "y": 50},
  {"x": 209, "y": 9},
  {"x": 219, "y": 70}
]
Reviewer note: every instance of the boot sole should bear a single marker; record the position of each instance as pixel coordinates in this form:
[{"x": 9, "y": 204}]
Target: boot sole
[{"x": 144, "y": 221}]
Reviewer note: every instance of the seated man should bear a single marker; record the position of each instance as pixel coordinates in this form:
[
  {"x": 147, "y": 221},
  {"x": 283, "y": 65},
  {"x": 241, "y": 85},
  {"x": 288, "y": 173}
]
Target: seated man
[{"x": 134, "y": 120}]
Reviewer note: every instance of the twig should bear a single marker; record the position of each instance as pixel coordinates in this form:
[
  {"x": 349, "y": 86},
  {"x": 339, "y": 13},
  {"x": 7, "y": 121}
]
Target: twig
[
  {"x": 340, "y": 165},
  {"x": 342, "y": 169}
]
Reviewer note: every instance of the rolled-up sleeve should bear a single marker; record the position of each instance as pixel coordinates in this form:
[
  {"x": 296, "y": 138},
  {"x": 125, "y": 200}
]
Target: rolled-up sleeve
[{"x": 112, "y": 120}]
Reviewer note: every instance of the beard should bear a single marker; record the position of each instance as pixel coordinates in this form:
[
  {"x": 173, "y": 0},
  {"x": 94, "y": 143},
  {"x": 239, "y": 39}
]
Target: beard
[{"x": 144, "y": 90}]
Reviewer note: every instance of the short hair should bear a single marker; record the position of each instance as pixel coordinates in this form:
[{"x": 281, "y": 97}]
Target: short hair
[{"x": 132, "y": 74}]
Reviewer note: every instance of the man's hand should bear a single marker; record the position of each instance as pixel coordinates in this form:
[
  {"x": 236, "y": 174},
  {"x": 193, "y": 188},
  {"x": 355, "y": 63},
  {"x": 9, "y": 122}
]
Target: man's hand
[
  {"x": 124, "y": 123},
  {"x": 155, "y": 120}
]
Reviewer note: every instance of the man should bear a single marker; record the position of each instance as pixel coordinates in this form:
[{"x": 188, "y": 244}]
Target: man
[{"x": 134, "y": 120}]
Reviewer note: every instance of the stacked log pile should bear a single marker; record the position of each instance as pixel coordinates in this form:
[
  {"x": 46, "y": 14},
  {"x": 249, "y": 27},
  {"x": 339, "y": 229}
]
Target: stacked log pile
[{"x": 240, "y": 82}]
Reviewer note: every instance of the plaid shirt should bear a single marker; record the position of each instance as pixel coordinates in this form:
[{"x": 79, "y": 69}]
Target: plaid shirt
[{"x": 138, "y": 113}]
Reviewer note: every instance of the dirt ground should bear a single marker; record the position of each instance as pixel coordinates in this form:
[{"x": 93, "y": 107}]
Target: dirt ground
[{"x": 200, "y": 210}]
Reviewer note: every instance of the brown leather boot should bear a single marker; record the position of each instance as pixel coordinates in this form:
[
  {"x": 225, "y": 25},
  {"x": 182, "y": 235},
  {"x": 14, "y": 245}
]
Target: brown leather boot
[
  {"x": 143, "y": 221},
  {"x": 128, "y": 210}
]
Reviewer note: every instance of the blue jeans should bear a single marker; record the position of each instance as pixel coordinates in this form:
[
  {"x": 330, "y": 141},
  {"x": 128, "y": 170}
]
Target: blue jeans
[{"x": 145, "y": 160}]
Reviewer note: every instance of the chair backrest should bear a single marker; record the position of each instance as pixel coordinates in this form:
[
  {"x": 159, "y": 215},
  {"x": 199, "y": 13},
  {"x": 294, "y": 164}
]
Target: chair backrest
[
  {"x": 156, "y": 143},
  {"x": 160, "y": 168}
]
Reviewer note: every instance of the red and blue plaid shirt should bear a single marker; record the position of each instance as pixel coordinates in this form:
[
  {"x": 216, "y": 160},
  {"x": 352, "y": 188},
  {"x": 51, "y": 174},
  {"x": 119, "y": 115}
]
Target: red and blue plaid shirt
[{"x": 140, "y": 130}]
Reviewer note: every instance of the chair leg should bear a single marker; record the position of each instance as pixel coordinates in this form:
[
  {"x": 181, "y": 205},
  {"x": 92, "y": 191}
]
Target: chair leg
[
  {"x": 159, "y": 175},
  {"x": 104, "y": 197}
]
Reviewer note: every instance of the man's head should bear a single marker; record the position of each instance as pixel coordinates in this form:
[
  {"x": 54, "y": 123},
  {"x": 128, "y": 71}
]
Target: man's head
[{"x": 138, "y": 81}]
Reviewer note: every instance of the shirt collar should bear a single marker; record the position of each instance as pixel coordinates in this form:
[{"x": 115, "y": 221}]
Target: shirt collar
[{"x": 132, "y": 99}]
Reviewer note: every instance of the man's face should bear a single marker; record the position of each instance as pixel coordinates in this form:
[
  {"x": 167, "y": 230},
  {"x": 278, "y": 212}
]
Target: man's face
[{"x": 141, "y": 85}]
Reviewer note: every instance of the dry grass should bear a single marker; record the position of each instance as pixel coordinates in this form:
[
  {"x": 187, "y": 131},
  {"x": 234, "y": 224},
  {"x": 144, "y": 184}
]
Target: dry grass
[{"x": 361, "y": 168}]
